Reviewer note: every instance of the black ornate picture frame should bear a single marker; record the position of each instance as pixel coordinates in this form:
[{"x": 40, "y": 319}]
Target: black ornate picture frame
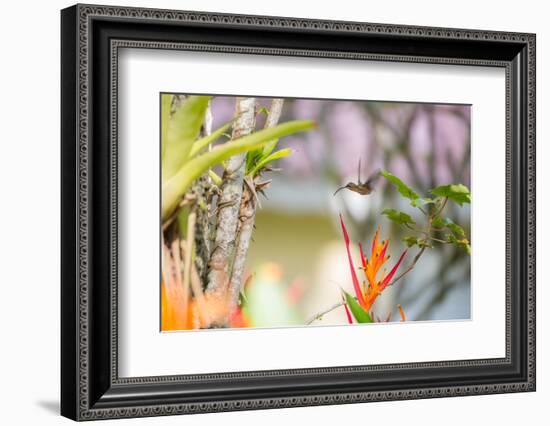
[{"x": 91, "y": 36}]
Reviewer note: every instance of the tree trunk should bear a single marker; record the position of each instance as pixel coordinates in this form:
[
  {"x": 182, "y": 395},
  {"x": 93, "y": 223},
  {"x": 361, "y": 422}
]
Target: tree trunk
[
  {"x": 229, "y": 202},
  {"x": 203, "y": 230},
  {"x": 247, "y": 217}
]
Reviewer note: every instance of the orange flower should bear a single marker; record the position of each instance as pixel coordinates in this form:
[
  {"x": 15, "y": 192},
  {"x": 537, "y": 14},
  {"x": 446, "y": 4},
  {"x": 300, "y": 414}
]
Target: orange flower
[
  {"x": 173, "y": 317},
  {"x": 204, "y": 311},
  {"x": 376, "y": 280},
  {"x": 239, "y": 319}
]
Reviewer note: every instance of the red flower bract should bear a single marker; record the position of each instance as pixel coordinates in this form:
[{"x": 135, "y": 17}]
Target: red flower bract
[{"x": 376, "y": 281}]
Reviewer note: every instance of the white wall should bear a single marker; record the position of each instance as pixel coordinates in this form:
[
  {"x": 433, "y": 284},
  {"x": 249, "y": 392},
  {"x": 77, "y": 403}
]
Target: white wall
[{"x": 29, "y": 210}]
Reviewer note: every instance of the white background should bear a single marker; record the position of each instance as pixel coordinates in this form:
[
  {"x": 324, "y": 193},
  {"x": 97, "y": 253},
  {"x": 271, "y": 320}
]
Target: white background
[
  {"x": 29, "y": 209},
  {"x": 140, "y": 343}
]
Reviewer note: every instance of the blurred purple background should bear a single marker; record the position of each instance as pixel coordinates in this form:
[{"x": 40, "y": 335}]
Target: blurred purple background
[{"x": 426, "y": 145}]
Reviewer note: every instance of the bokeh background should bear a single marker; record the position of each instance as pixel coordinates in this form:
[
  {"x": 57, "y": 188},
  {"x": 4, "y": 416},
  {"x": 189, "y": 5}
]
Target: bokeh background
[{"x": 297, "y": 227}]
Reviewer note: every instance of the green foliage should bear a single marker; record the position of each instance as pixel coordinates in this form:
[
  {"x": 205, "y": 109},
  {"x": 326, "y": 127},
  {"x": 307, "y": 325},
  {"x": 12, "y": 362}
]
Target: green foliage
[
  {"x": 166, "y": 104},
  {"x": 182, "y": 131},
  {"x": 432, "y": 209},
  {"x": 360, "y": 315},
  {"x": 202, "y": 143},
  {"x": 457, "y": 230},
  {"x": 262, "y": 110},
  {"x": 416, "y": 241},
  {"x": 411, "y": 241},
  {"x": 175, "y": 187},
  {"x": 405, "y": 190},
  {"x": 256, "y": 160},
  {"x": 419, "y": 202},
  {"x": 269, "y": 158},
  {"x": 462, "y": 243},
  {"x": 215, "y": 178},
  {"x": 458, "y": 193},
  {"x": 398, "y": 217}
]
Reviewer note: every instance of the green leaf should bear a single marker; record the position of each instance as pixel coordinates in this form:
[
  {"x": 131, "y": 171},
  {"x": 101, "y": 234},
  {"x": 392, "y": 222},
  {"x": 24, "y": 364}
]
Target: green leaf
[
  {"x": 182, "y": 219},
  {"x": 458, "y": 193},
  {"x": 463, "y": 243},
  {"x": 411, "y": 241},
  {"x": 423, "y": 242},
  {"x": 183, "y": 129},
  {"x": 398, "y": 217},
  {"x": 457, "y": 230},
  {"x": 255, "y": 156},
  {"x": 215, "y": 178},
  {"x": 252, "y": 159},
  {"x": 269, "y": 147},
  {"x": 438, "y": 222},
  {"x": 174, "y": 188},
  {"x": 419, "y": 202},
  {"x": 415, "y": 241},
  {"x": 360, "y": 315},
  {"x": 275, "y": 156},
  {"x": 202, "y": 143},
  {"x": 405, "y": 190},
  {"x": 165, "y": 105},
  {"x": 262, "y": 110}
]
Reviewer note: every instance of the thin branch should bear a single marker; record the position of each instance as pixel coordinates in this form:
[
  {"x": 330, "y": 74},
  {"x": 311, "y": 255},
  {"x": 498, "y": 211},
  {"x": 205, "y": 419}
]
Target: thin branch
[
  {"x": 409, "y": 268},
  {"x": 439, "y": 240},
  {"x": 274, "y": 113},
  {"x": 230, "y": 199},
  {"x": 202, "y": 190},
  {"x": 319, "y": 315},
  {"x": 428, "y": 233},
  {"x": 247, "y": 216},
  {"x": 442, "y": 207}
]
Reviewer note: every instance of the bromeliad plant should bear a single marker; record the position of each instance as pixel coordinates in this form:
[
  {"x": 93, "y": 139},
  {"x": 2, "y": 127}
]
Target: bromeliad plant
[
  {"x": 207, "y": 220},
  {"x": 185, "y": 156},
  {"x": 437, "y": 229}
]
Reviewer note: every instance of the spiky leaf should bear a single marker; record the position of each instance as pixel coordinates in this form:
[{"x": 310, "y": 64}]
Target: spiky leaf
[
  {"x": 174, "y": 188},
  {"x": 183, "y": 129},
  {"x": 268, "y": 159},
  {"x": 165, "y": 105},
  {"x": 360, "y": 315},
  {"x": 202, "y": 143}
]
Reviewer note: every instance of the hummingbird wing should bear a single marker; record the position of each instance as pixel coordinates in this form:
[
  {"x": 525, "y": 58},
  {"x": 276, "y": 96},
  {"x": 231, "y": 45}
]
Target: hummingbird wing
[{"x": 373, "y": 178}]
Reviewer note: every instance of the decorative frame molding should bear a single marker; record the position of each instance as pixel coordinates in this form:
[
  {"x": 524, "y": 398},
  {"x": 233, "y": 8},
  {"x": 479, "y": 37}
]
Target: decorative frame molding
[{"x": 91, "y": 37}]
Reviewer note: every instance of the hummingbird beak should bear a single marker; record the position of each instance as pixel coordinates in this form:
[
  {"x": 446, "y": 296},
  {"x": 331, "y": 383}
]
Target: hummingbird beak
[{"x": 339, "y": 189}]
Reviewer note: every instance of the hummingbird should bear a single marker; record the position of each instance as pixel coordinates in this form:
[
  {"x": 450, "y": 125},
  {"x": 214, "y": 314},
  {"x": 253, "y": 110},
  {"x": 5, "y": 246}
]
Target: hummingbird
[{"x": 363, "y": 188}]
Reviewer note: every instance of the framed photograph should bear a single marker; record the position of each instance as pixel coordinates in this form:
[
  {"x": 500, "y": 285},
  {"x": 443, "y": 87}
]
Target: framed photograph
[{"x": 263, "y": 212}]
